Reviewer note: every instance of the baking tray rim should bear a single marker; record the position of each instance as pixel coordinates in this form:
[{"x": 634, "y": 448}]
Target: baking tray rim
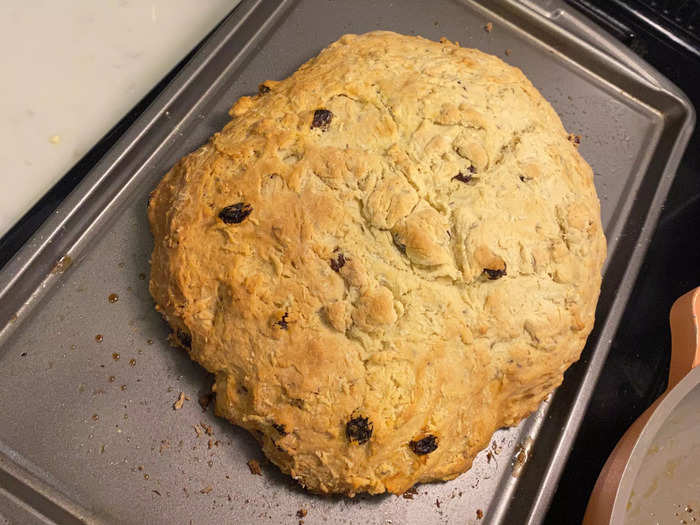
[{"x": 51, "y": 243}]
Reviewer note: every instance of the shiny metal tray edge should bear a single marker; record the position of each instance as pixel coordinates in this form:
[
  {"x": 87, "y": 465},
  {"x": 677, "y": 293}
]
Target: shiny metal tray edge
[{"x": 64, "y": 238}]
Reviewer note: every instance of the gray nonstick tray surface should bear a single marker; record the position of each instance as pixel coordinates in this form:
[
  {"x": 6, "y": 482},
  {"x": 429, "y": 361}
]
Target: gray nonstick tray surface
[{"x": 88, "y": 432}]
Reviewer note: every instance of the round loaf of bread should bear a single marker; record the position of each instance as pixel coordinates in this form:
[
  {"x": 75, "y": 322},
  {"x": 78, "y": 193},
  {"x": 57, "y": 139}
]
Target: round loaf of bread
[{"x": 382, "y": 259}]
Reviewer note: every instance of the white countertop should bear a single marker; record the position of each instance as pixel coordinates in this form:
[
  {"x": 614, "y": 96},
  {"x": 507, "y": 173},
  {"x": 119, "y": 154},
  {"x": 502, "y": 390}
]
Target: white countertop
[{"x": 71, "y": 70}]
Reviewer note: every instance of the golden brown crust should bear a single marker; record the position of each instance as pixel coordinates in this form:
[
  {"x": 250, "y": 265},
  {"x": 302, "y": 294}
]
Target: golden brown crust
[{"x": 427, "y": 257}]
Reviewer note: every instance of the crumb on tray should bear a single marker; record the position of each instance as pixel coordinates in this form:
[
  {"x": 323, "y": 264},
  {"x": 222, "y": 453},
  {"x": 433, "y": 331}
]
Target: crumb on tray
[
  {"x": 410, "y": 493},
  {"x": 177, "y": 405},
  {"x": 254, "y": 467},
  {"x": 207, "y": 428}
]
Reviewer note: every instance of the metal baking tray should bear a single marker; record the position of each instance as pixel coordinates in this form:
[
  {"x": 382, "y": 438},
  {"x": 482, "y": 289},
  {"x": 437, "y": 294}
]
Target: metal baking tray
[{"x": 88, "y": 432}]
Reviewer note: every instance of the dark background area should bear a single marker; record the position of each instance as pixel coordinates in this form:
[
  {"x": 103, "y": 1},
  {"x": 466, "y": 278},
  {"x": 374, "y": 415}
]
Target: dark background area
[{"x": 665, "y": 33}]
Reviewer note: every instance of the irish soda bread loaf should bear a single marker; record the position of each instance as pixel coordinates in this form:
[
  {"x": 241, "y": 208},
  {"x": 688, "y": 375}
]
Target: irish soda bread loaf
[{"x": 383, "y": 259}]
